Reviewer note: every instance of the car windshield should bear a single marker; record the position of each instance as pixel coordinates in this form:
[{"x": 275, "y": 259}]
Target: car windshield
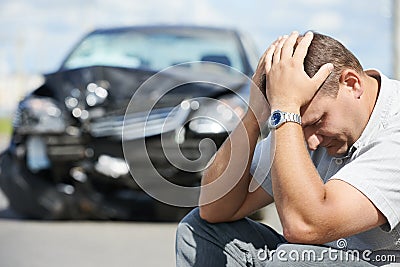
[{"x": 155, "y": 50}]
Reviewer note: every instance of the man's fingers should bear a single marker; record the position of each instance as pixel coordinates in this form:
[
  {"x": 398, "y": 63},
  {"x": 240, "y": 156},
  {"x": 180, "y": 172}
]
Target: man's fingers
[
  {"x": 302, "y": 47},
  {"x": 277, "y": 53},
  {"x": 322, "y": 74},
  {"x": 287, "y": 49},
  {"x": 268, "y": 58},
  {"x": 267, "y": 51}
]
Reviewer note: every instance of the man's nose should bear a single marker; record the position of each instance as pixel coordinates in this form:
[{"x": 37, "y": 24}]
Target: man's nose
[{"x": 314, "y": 140}]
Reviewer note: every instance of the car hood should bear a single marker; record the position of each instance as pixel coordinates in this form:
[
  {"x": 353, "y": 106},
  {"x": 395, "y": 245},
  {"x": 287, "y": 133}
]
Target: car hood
[{"x": 168, "y": 87}]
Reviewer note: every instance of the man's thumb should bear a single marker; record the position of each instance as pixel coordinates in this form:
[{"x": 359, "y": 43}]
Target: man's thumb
[{"x": 322, "y": 74}]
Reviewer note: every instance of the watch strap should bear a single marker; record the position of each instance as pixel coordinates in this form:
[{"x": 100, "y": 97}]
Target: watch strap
[{"x": 292, "y": 117}]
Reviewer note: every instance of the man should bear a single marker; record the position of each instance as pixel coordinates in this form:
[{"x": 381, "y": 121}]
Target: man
[{"x": 338, "y": 196}]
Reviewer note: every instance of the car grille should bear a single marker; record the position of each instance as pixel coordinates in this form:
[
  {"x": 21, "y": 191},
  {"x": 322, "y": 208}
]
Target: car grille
[{"x": 139, "y": 125}]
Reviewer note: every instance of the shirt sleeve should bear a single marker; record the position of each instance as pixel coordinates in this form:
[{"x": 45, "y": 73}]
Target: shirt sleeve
[
  {"x": 261, "y": 164},
  {"x": 375, "y": 172}
]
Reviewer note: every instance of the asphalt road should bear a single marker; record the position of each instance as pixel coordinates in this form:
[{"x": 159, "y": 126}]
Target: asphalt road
[
  {"x": 41, "y": 244},
  {"x": 25, "y": 243}
]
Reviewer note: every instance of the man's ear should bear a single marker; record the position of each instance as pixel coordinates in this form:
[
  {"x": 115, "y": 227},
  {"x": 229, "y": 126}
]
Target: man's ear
[{"x": 352, "y": 81}]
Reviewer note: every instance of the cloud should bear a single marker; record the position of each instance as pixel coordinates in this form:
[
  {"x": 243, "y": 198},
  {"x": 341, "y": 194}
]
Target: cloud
[
  {"x": 48, "y": 28},
  {"x": 326, "y": 22},
  {"x": 154, "y": 11},
  {"x": 319, "y": 3}
]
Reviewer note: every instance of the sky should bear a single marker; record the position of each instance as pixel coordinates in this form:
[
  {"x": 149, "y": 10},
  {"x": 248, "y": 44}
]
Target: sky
[{"x": 36, "y": 34}]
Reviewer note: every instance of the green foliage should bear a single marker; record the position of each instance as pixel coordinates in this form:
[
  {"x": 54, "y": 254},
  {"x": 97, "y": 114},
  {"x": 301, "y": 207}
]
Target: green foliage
[{"x": 5, "y": 126}]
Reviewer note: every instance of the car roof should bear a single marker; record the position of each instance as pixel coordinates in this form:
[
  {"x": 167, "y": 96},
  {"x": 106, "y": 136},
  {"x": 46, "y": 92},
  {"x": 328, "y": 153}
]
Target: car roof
[{"x": 164, "y": 27}]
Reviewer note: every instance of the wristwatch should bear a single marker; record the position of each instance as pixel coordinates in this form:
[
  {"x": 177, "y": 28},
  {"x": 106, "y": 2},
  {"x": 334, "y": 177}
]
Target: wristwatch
[{"x": 278, "y": 118}]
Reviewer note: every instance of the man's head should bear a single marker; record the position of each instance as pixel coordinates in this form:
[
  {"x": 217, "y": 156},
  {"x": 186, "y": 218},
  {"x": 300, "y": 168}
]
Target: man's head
[
  {"x": 339, "y": 112},
  {"x": 324, "y": 49}
]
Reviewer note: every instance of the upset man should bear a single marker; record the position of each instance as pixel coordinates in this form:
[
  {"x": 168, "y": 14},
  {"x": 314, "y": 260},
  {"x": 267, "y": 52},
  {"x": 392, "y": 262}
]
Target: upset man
[{"x": 331, "y": 164}]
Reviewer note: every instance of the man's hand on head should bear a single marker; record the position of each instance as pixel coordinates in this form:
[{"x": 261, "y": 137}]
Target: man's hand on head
[
  {"x": 289, "y": 86},
  {"x": 258, "y": 97}
]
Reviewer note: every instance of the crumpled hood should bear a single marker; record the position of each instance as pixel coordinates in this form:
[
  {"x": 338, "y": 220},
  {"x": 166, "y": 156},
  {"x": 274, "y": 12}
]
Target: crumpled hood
[{"x": 169, "y": 87}]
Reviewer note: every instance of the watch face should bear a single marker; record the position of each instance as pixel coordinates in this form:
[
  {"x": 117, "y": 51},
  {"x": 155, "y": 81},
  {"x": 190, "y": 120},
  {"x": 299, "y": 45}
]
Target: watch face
[{"x": 276, "y": 118}]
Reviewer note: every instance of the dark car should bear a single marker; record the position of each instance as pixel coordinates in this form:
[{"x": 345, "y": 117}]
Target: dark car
[{"x": 127, "y": 104}]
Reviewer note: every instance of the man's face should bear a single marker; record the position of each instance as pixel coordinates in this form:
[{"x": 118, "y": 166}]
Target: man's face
[{"x": 330, "y": 122}]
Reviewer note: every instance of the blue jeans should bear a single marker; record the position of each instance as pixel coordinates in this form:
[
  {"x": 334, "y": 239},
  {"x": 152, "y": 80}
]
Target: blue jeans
[{"x": 247, "y": 243}]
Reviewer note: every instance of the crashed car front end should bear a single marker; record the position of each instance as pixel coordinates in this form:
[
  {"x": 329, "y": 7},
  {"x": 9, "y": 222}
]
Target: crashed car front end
[
  {"x": 76, "y": 150},
  {"x": 81, "y": 150}
]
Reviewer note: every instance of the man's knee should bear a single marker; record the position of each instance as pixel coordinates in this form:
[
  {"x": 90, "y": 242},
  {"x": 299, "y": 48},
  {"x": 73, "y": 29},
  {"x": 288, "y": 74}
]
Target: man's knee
[
  {"x": 185, "y": 243},
  {"x": 187, "y": 225},
  {"x": 194, "y": 231},
  {"x": 193, "y": 217}
]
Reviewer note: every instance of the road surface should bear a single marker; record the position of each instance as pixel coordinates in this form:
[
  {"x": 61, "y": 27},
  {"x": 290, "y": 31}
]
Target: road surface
[{"x": 25, "y": 243}]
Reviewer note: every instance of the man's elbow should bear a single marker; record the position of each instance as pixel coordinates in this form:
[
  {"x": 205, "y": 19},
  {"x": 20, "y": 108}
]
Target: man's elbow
[
  {"x": 211, "y": 216},
  {"x": 206, "y": 215},
  {"x": 299, "y": 232}
]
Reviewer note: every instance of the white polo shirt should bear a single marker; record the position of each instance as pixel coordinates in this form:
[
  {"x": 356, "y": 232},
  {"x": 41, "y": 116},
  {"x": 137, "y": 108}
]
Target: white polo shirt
[{"x": 372, "y": 166}]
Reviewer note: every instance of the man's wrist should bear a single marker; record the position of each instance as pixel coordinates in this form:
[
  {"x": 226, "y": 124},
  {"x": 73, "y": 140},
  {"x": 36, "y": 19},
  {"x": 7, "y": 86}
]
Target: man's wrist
[
  {"x": 256, "y": 120},
  {"x": 286, "y": 108},
  {"x": 259, "y": 112}
]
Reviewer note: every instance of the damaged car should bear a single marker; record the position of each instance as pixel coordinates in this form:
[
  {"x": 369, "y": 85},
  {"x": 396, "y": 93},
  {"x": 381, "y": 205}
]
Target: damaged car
[{"x": 76, "y": 138}]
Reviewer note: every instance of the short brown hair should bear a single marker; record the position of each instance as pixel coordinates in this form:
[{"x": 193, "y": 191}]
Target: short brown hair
[{"x": 324, "y": 49}]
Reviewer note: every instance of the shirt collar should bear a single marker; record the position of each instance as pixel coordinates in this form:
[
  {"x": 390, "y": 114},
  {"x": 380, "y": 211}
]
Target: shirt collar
[{"x": 380, "y": 112}]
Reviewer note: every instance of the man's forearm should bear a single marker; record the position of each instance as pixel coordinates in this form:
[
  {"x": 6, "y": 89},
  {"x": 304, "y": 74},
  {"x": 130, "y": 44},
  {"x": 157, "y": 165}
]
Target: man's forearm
[
  {"x": 298, "y": 189},
  {"x": 225, "y": 183}
]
